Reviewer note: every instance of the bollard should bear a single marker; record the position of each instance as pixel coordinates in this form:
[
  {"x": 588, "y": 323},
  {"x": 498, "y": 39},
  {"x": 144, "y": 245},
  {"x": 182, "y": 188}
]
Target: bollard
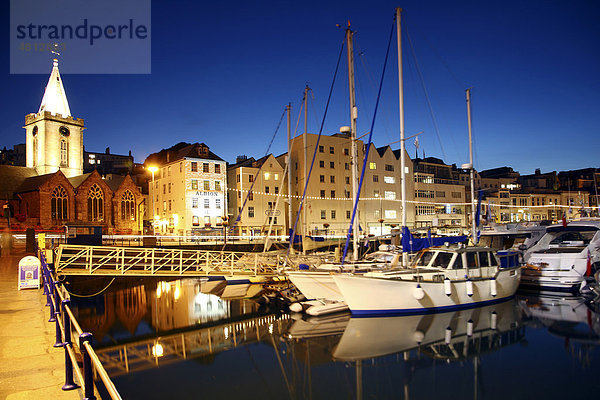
[
  {"x": 88, "y": 377},
  {"x": 69, "y": 382},
  {"x": 58, "y": 342}
]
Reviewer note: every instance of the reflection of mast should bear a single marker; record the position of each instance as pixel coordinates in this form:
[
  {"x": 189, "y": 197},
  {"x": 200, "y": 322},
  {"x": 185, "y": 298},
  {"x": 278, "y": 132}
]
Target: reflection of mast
[{"x": 359, "y": 391}]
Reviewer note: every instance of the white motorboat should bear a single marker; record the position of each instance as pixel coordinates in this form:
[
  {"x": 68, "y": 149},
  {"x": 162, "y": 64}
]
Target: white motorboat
[
  {"x": 442, "y": 279},
  {"x": 563, "y": 257}
]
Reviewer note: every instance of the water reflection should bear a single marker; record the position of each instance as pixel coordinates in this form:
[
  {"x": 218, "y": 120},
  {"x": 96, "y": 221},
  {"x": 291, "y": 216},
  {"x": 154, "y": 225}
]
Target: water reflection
[{"x": 150, "y": 334}]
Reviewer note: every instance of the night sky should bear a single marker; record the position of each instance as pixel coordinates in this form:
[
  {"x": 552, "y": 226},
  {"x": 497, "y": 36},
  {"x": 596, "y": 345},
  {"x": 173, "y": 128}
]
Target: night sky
[{"x": 222, "y": 73}]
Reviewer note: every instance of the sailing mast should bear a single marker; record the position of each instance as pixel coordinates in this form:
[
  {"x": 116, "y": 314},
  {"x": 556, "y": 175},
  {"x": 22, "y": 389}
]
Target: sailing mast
[
  {"x": 288, "y": 109},
  {"x": 354, "y": 150},
  {"x": 305, "y": 144},
  {"x": 472, "y": 171},
  {"x": 402, "y": 144}
]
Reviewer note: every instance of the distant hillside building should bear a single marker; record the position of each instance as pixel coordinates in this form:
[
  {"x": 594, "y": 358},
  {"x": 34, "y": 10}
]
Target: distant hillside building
[{"x": 107, "y": 163}]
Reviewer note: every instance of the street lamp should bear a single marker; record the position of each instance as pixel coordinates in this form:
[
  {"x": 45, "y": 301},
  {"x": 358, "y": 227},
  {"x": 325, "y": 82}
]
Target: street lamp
[
  {"x": 224, "y": 218},
  {"x": 153, "y": 169}
]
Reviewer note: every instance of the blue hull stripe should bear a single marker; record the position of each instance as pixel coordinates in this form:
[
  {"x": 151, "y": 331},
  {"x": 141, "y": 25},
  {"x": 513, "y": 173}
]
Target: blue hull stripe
[{"x": 433, "y": 310}]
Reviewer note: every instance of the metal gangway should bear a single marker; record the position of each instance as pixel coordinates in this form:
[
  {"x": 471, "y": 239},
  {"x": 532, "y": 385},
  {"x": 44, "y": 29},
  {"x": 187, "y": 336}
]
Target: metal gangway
[{"x": 143, "y": 261}]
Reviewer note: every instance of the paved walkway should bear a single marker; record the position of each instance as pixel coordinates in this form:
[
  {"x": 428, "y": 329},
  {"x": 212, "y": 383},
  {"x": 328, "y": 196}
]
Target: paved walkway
[{"x": 30, "y": 367}]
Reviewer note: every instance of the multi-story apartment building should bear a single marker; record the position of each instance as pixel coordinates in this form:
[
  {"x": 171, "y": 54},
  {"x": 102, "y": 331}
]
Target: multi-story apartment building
[
  {"x": 382, "y": 191},
  {"x": 256, "y": 196},
  {"x": 439, "y": 197},
  {"x": 187, "y": 193},
  {"x": 328, "y": 203}
]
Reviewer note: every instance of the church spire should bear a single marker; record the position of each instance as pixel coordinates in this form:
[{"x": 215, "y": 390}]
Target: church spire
[{"x": 55, "y": 99}]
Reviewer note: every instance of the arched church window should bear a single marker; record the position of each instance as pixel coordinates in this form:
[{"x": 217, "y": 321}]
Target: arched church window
[
  {"x": 59, "y": 203},
  {"x": 95, "y": 203},
  {"x": 35, "y": 150},
  {"x": 64, "y": 131},
  {"x": 128, "y": 206},
  {"x": 34, "y": 131},
  {"x": 64, "y": 153}
]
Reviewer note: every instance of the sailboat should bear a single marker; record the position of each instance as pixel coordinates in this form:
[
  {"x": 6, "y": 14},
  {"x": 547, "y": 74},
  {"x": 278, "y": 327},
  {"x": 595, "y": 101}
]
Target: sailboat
[{"x": 441, "y": 279}]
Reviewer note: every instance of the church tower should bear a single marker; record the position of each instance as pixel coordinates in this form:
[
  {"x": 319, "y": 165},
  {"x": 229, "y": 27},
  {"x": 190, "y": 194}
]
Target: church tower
[{"x": 54, "y": 138}]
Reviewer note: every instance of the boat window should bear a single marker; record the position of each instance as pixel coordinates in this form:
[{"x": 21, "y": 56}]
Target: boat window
[
  {"x": 572, "y": 238},
  {"x": 471, "y": 260},
  {"x": 424, "y": 258},
  {"x": 493, "y": 260},
  {"x": 484, "y": 258},
  {"x": 442, "y": 260}
]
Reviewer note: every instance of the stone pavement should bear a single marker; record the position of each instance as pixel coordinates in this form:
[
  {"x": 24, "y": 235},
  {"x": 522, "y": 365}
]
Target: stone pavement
[{"x": 30, "y": 367}]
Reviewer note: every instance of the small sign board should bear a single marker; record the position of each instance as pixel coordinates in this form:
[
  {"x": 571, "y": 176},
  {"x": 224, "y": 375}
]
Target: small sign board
[
  {"x": 29, "y": 273},
  {"x": 42, "y": 240}
]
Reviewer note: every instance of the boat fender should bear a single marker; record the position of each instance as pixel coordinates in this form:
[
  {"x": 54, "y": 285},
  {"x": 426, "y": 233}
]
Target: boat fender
[
  {"x": 470, "y": 328},
  {"x": 296, "y": 307},
  {"x": 418, "y": 336},
  {"x": 469, "y": 287},
  {"x": 448, "y": 335},
  {"x": 418, "y": 292},
  {"x": 447, "y": 287},
  {"x": 493, "y": 289},
  {"x": 494, "y": 320}
]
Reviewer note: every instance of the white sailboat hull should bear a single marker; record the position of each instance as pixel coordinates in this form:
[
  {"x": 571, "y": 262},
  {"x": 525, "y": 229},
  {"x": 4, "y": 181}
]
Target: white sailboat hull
[
  {"x": 316, "y": 285},
  {"x": 381, "y": 296}
]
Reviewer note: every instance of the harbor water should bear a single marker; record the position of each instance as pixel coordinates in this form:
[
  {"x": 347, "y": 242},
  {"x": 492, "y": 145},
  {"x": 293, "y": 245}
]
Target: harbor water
[{"x": 192, "y": 338}]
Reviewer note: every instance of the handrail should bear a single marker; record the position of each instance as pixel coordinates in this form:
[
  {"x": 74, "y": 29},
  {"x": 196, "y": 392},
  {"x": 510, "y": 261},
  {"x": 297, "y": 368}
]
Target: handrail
[{"x": 64, "y": 329}]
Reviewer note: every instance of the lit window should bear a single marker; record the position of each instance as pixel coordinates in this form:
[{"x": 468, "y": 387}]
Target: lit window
[
  {"x": 389, "y": 179},
  {"x": 372, "y": 165},
  {"x": 267, "y": 176}
]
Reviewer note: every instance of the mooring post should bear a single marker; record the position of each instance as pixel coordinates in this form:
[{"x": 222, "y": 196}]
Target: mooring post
[
  {"x": 69, "y": 382},
  {"x": 88, "y": 374}
]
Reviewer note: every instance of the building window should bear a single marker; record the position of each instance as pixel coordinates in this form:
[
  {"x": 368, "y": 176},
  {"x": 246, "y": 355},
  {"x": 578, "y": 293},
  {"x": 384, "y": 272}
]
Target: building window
[
  {"x": 331, "y": 164},
  {"x": 169, "y": 171},
  {"x": 194, "y": 166},
  {"x": 64, "y": 153},
  {"x": 346, "y": 152},
  {"x": 180, "y": 167},
  {"x": 389, "y": 195},
  {"x": 127, "y": 206},
  {"x": 372, "y": 165},
  {"x": 332, "y": 178},
  {"x": 332, "y": 214},
  {"x": 376, "y": 193},
  {"x": 331, "y": 151},
  {"x": 59, "y": 203},
  {"x": 169, "y": 205},
  {"x": 250, "y": 178},
  {"x": 250, "y": 196},
  {"x": 346, "y": 166},
  {"x": 95, "y": 203},
  {"x": 206, "y": 185},
  {"x": 347, "y": 180},
  {"x": 322, "y": 194},
  {"x": 169, "y": 187},
  {"x": 276, "y": 176},
  {"x": 321, "y": 164},
  {"x": 348, "y": 214},
  {"x": 217, "y": 168},
  {"x": 218, "y": 203},
  {"x": 194, "y": 184},
  {"x": 217, "y": 185},
  {"x": 267, "y": 176},
  {"x": 333, "y": 194},
  {"x": 375, "y": 178},
  {"x": 206, "y": 203},
  {"x": 276, "y": 189},
  {"x": 205, "y": 167},
  {"x": 389, "y": 167},
  {"x": 164, "y": 188},
  {"x": 322, "y": 178},
  {"x": 323, "y": 214},
  {"x": 194, "y": 202},
  {"x": 389, "y": 179},
  {"x": 250, "y": 212},
  {"x": 237, "y": 178},
  {"x": 321, "y": 149}
]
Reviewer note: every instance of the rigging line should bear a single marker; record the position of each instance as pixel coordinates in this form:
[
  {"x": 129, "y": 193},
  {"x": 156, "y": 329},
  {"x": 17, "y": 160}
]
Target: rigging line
[
  {"x": 239, "y": 217},
  {"x": 368, "y": 146},
  {"x": 293, "y": 235},
  {"x": 422, "y": 81}
]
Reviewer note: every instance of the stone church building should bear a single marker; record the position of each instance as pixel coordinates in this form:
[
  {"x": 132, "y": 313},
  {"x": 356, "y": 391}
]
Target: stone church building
[{"x": 52, "y": 191}]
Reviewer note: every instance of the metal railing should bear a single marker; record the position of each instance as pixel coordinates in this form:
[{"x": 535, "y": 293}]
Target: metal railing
[
  {"x": 65, "y": 327},
  {"x": 79, "y": 259}
]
